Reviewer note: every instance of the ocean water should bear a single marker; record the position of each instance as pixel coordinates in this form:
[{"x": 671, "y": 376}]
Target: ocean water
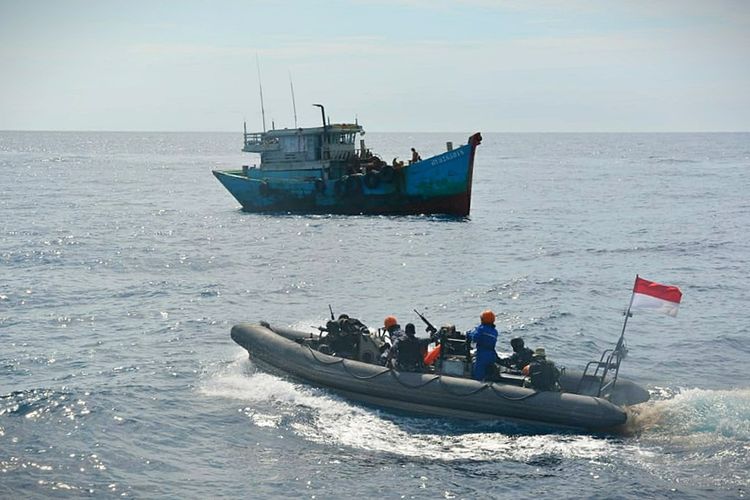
[{"x": 124, "y": 264}]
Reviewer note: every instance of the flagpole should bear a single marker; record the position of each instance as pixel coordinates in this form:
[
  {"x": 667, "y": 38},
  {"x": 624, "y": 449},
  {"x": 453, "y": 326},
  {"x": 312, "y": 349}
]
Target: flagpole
[{"x": 627, "y": 315}]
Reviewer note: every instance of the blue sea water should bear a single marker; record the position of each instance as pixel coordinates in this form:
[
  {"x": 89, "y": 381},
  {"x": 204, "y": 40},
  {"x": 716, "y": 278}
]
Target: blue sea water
[{"x": 124, "y": 264}]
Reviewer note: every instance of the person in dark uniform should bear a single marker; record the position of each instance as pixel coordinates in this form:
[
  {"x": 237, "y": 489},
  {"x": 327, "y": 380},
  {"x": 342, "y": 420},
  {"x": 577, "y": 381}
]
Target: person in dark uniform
[
  {"x": 543, "y": 374},
  {"x": 408, "y": 351},
  {"x": 343, "y": 336},
  {"x": 521, "y": 356}
]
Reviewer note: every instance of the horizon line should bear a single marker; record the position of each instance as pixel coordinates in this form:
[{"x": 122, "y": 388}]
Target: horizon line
[{"x": 133, "y": 131}]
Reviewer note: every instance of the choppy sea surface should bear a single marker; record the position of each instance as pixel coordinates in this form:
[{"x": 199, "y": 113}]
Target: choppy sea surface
[{"x": 124, "y": 264}]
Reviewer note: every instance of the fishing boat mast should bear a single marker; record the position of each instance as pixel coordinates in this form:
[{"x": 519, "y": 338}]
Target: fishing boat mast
[
  {"x": 260, "y": 85},
  {"x": 294, "y": 102}
]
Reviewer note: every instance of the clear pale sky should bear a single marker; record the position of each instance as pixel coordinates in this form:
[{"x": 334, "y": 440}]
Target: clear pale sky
[{"x": 396, "y": 65}]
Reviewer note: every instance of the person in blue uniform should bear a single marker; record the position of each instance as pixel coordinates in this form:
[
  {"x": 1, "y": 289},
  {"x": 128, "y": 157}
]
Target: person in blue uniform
[{"x": 485, "y": 338}]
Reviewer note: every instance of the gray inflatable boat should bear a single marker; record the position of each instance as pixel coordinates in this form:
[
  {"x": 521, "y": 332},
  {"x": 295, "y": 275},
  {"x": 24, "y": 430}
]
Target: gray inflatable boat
[{"x": 580, "y": 403}]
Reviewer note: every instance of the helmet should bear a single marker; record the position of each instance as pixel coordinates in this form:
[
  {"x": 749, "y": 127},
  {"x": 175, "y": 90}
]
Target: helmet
[
  {"x": 487, "y": 317},
  {"x": 516, "y": 343},
  {"x": 447, "y": 330},
  {"x": 389, "y": 321},
  {"x": 410, "y": 330}
]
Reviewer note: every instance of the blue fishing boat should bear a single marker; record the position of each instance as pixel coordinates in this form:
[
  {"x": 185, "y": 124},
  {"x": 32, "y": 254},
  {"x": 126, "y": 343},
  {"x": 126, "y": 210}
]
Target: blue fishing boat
[{"x": 320, "y": 170}]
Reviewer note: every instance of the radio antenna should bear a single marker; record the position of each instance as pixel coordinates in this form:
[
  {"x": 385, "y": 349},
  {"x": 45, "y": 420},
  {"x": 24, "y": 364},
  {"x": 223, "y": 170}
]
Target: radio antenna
[
  {"x": 294, "y": 103},
  {"x": 260, "y": 85}
]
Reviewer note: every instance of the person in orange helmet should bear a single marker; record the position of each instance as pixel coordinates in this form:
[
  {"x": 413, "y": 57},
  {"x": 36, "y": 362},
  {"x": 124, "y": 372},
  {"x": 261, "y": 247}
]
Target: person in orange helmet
[
  {"x": 484, "y": 336},
  {"x": 395, "y": 333}
]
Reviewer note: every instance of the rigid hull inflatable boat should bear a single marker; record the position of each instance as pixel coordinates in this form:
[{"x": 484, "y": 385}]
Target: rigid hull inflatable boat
[{"x": 580, "y": 403}]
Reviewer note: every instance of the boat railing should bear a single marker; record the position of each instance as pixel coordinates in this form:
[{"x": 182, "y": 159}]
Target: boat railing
[
  {"x": 255, "y": 143},
  {"x": 260, "y": 148},
  {"x": 609, "y": 361},
  {"x": 339, "y": 151}
]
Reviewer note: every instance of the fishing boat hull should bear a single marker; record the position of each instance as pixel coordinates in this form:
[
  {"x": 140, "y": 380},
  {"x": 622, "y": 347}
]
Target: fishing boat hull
[
  {"x": 437, "y": 185},
  {"x": 283, "y": 350}
]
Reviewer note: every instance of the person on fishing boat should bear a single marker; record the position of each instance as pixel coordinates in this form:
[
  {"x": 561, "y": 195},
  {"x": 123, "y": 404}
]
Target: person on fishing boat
[
  {"x": 521, "y": 356},
  {"x": 542, "y": 373},
  {"x": 484, "y": 336},
  {"x": 408, "y": 351},
  {"x": 415, "y": 156}
]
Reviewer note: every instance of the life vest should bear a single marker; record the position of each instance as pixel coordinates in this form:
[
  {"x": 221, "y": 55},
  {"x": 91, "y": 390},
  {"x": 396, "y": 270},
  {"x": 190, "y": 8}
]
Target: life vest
[
  {"x": 409, "y": 353},
  {"x": 433, "y": 355},
  {"x": 544, "y": 375}
]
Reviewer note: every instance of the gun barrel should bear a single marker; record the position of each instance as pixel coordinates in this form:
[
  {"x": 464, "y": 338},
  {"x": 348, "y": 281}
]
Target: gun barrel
[{"x": 430, "y": 326}]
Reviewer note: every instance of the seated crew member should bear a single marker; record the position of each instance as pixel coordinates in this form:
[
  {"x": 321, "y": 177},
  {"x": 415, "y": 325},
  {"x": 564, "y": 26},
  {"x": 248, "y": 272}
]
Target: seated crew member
[
  {"x": 543, "y": 374},
  {"x": 408, "y": 351},
  {"x": 484, "y": 336},
  {"x": 343, "y": 336},
  {"x": 521, "y": 356}
]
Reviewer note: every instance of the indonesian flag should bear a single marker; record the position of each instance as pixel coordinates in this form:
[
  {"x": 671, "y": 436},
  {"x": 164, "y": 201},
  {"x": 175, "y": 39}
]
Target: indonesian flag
[{"x": 661, "y": 298}]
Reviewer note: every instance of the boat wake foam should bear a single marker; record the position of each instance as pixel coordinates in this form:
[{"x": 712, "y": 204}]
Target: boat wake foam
[
  {"x": 694, "y": 431},
  {"x": 321, "y": 417},
  {"x": 724, "y": 413}
]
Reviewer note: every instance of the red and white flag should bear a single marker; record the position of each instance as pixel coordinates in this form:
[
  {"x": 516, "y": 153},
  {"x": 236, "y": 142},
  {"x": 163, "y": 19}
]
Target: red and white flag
[{"x": 661, "y": 298}]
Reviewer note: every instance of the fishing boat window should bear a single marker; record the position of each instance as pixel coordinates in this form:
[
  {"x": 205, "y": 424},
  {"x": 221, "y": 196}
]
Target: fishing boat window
[
  {"x": 312, "y": 147},
  {"x": 293, "y": 144}
]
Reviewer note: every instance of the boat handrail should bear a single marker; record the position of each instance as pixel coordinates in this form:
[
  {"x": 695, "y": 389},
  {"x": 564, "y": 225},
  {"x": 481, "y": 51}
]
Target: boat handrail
[{"x": 613, "y": 360}]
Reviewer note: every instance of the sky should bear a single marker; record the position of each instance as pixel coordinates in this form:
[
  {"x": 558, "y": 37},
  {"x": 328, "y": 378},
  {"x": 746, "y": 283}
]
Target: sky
[{"x": 393, "y": 65}]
